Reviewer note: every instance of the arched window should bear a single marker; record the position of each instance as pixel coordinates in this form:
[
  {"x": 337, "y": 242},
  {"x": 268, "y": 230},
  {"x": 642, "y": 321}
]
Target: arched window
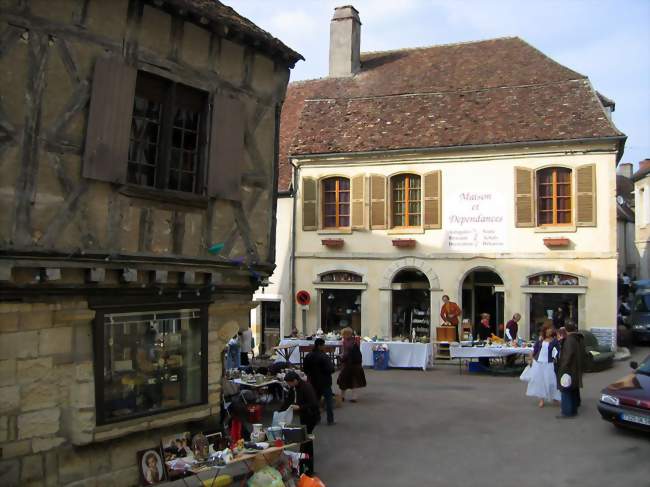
[
  {"x": 554, "y": 202},
  {"x": 336, "y": 202},
  {"x": 406, "y": 200}
]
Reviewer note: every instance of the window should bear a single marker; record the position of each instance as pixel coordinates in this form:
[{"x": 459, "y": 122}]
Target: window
[
  {"x": 150, "y": 362},
  {"x": 554, "y": 196},
  {"x": 406, "y": 201},
  {"x": 336, "y": 203},
  {"x": 167, "y": 135}
]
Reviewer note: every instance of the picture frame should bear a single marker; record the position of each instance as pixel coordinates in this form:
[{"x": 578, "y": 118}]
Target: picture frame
[{"x": 151, "y": 466}]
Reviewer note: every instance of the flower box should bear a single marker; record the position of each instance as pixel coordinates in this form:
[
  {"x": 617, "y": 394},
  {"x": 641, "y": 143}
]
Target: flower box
[
  {"x": 557, "y": 242},
  {"x": 332, "y": 243},
  {"x": 404, "y": 243}
]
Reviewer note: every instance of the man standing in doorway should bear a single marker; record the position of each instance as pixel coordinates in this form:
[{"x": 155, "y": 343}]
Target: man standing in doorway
[
  {"x": 246, "y": 339},
  {"x": 569, "y": 370},
  {"x": 319, "y": 369}
]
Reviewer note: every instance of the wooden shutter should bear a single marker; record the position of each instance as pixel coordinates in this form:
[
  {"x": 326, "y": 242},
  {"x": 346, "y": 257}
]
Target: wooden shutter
[
  {"x": 524, "y": 197},
  {"x": 226, "y": 148},
  {"x": 309, "y": 204},
  {"x": 431, "y": 198},
  {"x": 377, "y": 202},
  {"x": 586, "y": 196},
  {"x": 109, "y": 121},
  {"x": 358, "y": 202}
]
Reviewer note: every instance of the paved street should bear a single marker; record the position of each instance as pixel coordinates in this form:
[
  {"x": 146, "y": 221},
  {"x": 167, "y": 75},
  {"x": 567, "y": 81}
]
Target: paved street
[{"x": 438, "y": 428}]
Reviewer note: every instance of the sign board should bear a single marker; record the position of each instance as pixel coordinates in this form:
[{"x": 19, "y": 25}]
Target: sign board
[
  {"x": 476, "y": 221},
  {"x": 303, "y": 298}
]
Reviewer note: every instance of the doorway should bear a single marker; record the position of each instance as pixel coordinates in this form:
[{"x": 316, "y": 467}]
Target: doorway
[
  {"x": 270, "y": 332},
  {"x": 482, "y": 292},
  {"x": 411, "y": 303},
  {"x": 557, "y": 308}
]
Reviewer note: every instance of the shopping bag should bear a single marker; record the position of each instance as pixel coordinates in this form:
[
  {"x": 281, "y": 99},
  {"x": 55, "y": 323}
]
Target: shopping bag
[
  {"x": 284, "y": 417},
  {"x": 525, "y": 375},
  {"x": 306, "y": 481}
]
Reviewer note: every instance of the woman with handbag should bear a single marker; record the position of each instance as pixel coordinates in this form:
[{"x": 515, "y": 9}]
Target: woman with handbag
[
  {"x": 352, "y": 375},
  {"x": 542, "y": 383}
]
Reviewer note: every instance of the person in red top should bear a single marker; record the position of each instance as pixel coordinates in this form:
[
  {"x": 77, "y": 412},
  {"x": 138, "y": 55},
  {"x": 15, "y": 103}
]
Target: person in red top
[{"x": 450, "y": 311}]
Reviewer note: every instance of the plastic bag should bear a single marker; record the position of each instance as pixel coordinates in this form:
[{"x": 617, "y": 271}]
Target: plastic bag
[
  {"x": 285, "y": 417},
  {"x": 266, "y": 477},
  {"x": 525, "y": 375},
  {"x": 306, "y": 481}
]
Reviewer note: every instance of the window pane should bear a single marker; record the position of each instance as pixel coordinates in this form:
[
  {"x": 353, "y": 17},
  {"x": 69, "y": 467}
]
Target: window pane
[
  {"x": 563, "y": 175},
  {"x": 564, "y": 190},
  {"x": 563, "y": 203},
  {"x": 344, "y": 197},
  {"x": 175, "y": 160},
  {"x": 173, "y": 180},
  {"x": 344, "y": 184},
  {"x": 330, "y": 221},
  {"x": 344, "y": 209},
  {"x": 344, "y": 221},
  {"x": 564, "y": 217},
  {"x": 545, "y": 218},
  {"x": 152, "y": 362}
]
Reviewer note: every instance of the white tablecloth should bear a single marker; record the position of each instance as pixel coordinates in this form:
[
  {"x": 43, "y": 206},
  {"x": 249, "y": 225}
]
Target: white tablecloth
[
  {"x": 401, "y": 354},
  {"x": 478, "y": 352},
  {"x": 294, "y": 358}
]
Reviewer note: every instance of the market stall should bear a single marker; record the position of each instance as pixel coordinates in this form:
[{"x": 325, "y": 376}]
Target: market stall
[
  {"x": 293, "y": 344},
  {"x": 401, "y": 354},
  {"x": 468, "y": 352}
]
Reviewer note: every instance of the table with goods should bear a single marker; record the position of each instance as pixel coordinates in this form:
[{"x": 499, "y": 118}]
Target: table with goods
[{"x": 493, "y": 348}]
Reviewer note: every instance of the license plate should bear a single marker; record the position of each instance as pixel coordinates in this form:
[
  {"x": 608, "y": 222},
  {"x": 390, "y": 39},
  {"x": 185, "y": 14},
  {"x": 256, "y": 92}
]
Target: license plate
[{"x": 635, "y": 419}]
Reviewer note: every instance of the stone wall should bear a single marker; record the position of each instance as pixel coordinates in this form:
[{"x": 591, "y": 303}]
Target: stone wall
[{"x": 48, "y": 432}]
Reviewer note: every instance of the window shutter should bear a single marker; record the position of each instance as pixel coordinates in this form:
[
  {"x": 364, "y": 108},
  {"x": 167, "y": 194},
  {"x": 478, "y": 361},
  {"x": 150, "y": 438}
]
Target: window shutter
[
  {"x": 377, "y": 202},
  {"x": 309, "y": 204},
  {"x": 109, "y": 121},
  {"x": 524, "y": 197},
  {"x": 226, "y": 148},
  {"x": 358, "y": 202},
  {"x": 586, "y": 196},
  {"x": 432, "y": 197}
]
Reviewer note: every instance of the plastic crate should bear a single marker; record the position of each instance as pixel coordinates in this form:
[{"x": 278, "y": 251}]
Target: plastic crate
[
  {"x": 254, "y": 413},
  {"x": 380, "y": 359}
]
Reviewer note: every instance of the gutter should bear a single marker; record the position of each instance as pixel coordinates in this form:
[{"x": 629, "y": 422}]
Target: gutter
[
  {"x": 620, "y": 139},
  {"x": 292, "y": 262}
]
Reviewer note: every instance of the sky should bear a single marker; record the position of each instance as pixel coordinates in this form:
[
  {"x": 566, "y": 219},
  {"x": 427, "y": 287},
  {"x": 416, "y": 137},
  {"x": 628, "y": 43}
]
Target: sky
[{"x": 607, "y": 40}]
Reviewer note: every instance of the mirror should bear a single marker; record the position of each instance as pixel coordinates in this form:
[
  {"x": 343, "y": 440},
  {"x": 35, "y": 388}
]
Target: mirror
[{"x": 634, "y": 364}]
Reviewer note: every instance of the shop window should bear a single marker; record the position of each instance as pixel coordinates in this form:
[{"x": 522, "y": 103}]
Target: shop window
[
  {"x": 553, "y": 279},
  {"x": 555, "y": 308},
  {"x": 554, "y": 196},
  {"x": 340, "y": 277},
  {"x": 336, "y": 203},
  {"x": 166, "y": 142},
  {"x": 340, "y": 308},
  {"x": 406, "y": 201},
  {"x": 150, "y": 362}
]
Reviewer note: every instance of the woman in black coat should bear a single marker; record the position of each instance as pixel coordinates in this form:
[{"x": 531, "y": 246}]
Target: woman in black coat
[{"x": 352, "y": 375}]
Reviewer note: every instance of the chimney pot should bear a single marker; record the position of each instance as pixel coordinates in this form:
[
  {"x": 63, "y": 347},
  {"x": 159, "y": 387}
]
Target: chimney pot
[
  {"x": 345, "y": 42},
  {"x": 626, "y": 170}
]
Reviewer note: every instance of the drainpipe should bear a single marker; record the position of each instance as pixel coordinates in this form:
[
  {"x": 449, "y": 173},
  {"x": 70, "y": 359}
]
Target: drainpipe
[{"x": 293, "y": 250}]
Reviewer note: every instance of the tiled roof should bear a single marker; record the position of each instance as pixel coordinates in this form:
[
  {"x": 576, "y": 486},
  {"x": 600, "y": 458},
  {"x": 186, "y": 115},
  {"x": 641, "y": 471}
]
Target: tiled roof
[
  {"x": 213, "y": 10},
  {"x": 489, "y": 92},
  {"x": 644, "y": 169}
]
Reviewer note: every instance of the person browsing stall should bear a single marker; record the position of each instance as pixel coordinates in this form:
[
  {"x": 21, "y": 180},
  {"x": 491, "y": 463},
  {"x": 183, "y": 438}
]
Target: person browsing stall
[
  {"x": 512, "y": 328},
  {"x": 450, "y": 311},
  {"x": 352, "y": 375},
  {"x": 303, "y": 400},
  {"x": 319, "y": 369}
]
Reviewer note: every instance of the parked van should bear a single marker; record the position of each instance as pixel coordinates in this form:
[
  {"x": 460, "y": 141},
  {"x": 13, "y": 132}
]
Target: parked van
[{"x": 640, "y": 317}]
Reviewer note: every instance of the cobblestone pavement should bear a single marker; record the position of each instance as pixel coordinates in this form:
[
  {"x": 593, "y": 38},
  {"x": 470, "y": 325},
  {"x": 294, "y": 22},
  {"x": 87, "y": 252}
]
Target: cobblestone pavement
[{"x": 439, "y": 428}]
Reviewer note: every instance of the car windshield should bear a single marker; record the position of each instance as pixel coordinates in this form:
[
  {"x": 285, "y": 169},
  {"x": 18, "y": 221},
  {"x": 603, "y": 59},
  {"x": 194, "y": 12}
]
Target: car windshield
[
  {"x": 644, "y": 367},
  {"x": 642, "y": 303}
]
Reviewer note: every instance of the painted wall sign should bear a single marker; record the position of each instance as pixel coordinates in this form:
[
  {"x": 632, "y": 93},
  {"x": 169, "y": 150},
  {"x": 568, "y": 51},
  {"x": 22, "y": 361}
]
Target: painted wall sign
[{"x": 476, "y": 221}]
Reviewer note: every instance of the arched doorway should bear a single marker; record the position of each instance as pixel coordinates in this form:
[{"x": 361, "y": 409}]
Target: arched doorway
[
  {"x": 411, "y": 305},
  {"x": 482, "y": 292}
]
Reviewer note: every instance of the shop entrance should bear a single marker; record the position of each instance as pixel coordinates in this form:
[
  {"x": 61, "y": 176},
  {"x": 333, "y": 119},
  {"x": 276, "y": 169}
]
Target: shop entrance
[
  {"x": 557, "y": 308},
  {"x": 340, "y": 308},
  {"x": 270, "y": 332},
  {"x": 483, "y": 293},
  {"x": 411, "y": 313}
]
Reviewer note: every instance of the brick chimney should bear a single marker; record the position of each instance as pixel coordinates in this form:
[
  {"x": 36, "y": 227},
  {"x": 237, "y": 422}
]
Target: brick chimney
[
  {"x": 345, "y": 42},
  {"x": 626, "y": 170}
]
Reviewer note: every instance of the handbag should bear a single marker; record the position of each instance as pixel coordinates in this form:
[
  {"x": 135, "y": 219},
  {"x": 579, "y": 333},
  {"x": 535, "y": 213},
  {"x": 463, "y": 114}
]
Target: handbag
[{"x": 525, "y": 375}]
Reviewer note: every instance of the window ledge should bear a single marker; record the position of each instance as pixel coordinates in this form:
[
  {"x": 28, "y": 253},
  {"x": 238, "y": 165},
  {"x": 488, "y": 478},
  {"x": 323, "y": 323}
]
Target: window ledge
[
  {"x": 558, "y": 229},
  {"x": 335, "y": 231},
  {"x": 164, "y": 196},
  {"x": 406, "y": 231},
  {"x": 122, "y": 428}
]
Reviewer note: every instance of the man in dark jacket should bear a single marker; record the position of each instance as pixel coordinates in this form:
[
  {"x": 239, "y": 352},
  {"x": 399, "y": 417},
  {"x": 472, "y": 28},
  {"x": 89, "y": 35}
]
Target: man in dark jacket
[
  {"x": 570, "y": 366},
  {"x": 302, "y": 399},
  {"x": 319, "y": 369}
]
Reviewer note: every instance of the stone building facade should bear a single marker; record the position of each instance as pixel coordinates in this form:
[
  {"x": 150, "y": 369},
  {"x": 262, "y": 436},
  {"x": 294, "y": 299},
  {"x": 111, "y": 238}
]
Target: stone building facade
[{"x": 138, "y": 144}]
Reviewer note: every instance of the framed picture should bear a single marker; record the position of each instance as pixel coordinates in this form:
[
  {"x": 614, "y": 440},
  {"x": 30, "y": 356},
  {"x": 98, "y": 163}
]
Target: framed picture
[
  {"x": 152, "y": 470},
  {"x": 177, "y": 446}
]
